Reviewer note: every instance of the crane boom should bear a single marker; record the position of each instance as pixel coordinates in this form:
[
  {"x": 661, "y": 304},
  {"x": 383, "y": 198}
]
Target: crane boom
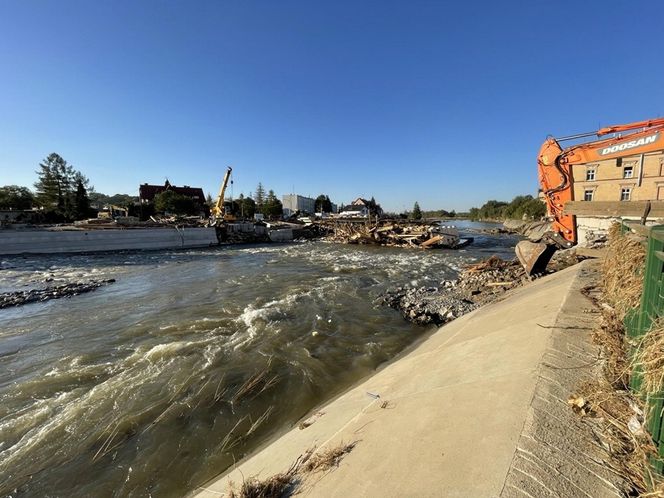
[{"x": 217, "y": 210}]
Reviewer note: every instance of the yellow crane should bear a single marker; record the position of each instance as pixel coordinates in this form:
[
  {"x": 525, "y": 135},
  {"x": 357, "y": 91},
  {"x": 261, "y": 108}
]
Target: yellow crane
[{"x": 218, "y": 212}]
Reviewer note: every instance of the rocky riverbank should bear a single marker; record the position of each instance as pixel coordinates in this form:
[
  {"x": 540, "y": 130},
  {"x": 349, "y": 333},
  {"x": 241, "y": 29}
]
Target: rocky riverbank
[
  {"x": 475, "y": 286},
  {"x": 533, "y": 230},
  {"x": 18, "y": 298}
]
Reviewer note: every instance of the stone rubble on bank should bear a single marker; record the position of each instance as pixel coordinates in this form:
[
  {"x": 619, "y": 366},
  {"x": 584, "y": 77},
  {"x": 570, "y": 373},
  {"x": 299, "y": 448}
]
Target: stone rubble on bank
[
  {"x": 18, "y": 298},
  {"x": 475, "y": 286},
  {"x": 533, "y": 230}
]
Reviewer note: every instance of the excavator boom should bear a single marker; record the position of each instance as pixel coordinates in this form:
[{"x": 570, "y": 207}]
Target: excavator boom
[{"x": 554, "y": 166}]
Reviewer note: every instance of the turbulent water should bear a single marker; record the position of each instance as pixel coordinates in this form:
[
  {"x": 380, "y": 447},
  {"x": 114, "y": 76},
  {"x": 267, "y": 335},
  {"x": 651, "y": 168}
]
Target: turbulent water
[{"x": 158, "y": 382}]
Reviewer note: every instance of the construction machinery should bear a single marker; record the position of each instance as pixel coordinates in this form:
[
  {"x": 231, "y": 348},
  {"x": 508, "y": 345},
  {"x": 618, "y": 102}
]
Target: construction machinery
[
  {"x": 555, "y": 177},
  {"x": 112, "y": 212},
  {"x": 218, "y": 211}
]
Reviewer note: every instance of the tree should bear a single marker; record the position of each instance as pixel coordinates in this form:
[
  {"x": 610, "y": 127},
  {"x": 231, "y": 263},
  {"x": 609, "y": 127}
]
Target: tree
[
  {"x": 49, "y": 186},
  {"x": 417, "y": 212},
  {"x": 272, "y": 206},
  {"x": 57, "y": 186},
  {"x": 259, "y": 196},
  {"x": 171, "y": 202},
  {"x": 244, "y": 207},
  {"x": 323, "y": 204},
  {"x": 374, "y": 208},
  {"x": 82, "y": 202},
  {"x": 15, "y": 197}
]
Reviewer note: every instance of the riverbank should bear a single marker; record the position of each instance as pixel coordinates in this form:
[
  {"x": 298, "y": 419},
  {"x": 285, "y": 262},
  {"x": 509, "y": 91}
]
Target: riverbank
[{"x": 477, "y": 409}]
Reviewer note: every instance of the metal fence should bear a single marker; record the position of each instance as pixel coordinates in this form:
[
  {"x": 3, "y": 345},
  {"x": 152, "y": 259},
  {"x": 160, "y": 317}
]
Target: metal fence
[{"x": 640, "y": 320}]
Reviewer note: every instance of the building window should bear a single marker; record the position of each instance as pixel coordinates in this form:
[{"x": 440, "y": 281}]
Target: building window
[
  {"x": 588, "y": 195},
  {"x": 590, "y": 175},
  {"x": 625, "y": 193},
  {"x": 628, "y": 172}
]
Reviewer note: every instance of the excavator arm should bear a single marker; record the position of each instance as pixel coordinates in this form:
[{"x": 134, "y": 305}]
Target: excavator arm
[{"x": 554, "y": 166}]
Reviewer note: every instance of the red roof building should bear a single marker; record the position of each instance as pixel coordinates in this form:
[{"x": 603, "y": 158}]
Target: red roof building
[{"x": 146, "y": 193}]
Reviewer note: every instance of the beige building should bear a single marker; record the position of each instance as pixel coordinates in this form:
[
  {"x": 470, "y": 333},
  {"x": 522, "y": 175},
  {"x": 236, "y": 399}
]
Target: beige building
[{"x": 630, "y": 178}]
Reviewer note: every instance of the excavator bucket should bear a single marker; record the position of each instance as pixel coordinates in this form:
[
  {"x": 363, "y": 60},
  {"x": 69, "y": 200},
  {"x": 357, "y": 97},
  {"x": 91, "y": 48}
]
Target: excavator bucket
[{"x": 534, "y": 256}]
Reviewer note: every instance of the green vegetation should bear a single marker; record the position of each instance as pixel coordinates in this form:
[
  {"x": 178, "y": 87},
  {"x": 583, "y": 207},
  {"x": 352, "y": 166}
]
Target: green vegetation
[
  {"x": 15, "y": 197},
  {"x": 171, "y": 202},
  {"x": 417, "y": 212},
  {"x": 522, "y": 206},
  {"x": 244, "y": 207},
  {"x": 62, "y": 190},
  {"x": 272, "y": 207},
  {"x": 323, "y": 204},
  {"x": 123, "y": 200}
]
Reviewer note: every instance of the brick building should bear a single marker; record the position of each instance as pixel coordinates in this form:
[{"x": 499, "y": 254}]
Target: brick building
[
  {"x": 633, "y": 178},
  {"x": 147, "y": 193}
]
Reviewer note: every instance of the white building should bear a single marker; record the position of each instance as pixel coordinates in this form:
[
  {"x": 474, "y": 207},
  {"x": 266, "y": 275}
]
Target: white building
[{"x": 294, "y": 202}]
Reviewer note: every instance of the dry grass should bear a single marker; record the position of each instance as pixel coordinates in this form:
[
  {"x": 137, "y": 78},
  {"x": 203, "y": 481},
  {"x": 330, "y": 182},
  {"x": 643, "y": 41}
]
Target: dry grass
[
  {"x": 649, "y": 359},
  {"x": 329, "y": 458},
  {"x": 613, "y": 410},
  {"x": 286, "y": 483},
  {"x": 622, "y": 270},
  {"x": 254, "y": 385},
  {"x": 607, "y": 399},
  {"x": 276, "y": 486},
  {"x": 610, "y": 336}
]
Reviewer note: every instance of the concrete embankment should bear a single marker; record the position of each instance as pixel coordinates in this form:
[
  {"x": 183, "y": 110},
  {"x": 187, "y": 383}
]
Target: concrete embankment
[
  {"x": 54, "y": 241},
  {"x": 478, "y": 409}
]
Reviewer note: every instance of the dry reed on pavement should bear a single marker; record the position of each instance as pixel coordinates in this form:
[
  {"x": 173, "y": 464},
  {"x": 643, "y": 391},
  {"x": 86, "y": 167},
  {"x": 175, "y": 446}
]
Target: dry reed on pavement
[
  {"x": 613, "y": 410},
  {"x": 286, "y": 483},
  {"x": 607, "y": 399},
  {"x": 329, "y": 458}
]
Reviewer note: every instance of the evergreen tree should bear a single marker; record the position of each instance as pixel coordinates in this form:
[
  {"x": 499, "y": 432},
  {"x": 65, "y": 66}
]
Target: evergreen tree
[
  {"x": 48, "y": 188},
  {"x": 82, "y": 202},
  {"x": 417, "y": 212},
  {"x": 259, "y": 196},
  {"x": 57, "y": 187},
  {"x": 272, "y": 206},
  {"x": 323, "y": 204}
]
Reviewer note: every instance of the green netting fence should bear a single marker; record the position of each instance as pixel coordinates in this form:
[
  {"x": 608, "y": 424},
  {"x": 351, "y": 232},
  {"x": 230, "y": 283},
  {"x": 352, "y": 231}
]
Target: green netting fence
[{"x": 639, "y": 321}]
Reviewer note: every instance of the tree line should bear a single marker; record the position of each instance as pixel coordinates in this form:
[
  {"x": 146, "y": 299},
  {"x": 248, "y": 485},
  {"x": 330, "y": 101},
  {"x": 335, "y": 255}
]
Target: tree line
[{"x": 522, "y": 206}]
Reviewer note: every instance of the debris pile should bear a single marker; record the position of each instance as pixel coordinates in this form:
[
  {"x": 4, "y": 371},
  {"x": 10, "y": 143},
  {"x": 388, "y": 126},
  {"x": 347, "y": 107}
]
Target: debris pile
[
  {"x": 395, "y": 233},
  {"x": 18, "y": 298},
  {"x": 475, "y": 286},
  {"x": 427, "y": 305}
]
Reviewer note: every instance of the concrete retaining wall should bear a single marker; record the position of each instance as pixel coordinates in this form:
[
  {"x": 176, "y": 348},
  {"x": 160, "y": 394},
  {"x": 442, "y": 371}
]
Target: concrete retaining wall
[
  {"x": 589, "y": 228},
  {"x": 65, "y": 241},
  {"x": 283, "y": 235},
  {"x": 241, "y": 227}
]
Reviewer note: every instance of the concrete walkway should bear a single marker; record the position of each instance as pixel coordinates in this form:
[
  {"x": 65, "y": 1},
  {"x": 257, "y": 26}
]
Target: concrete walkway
[{"x": 452, "y": 414}]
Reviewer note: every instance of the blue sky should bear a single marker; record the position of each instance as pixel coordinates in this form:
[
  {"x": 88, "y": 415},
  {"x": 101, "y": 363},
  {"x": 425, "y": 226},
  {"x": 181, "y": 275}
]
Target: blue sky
[{"x": 441, "y": 102}]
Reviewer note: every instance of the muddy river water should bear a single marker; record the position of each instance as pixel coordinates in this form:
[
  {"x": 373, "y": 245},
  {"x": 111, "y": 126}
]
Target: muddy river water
[{"x": 156, "y": 383}]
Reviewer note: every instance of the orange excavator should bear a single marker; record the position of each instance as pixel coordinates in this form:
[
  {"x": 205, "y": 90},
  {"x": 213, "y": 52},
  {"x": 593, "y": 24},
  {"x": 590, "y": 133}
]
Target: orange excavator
[{"x": 555, "y": 177}]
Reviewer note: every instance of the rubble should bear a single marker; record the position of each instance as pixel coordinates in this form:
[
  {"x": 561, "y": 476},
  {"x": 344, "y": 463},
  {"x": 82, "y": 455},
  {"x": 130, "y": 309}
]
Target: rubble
[
  {"x": 394, "y": 233},
  {"x": 477, "y": 285},
  {"x": 18, "y": 298}
]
